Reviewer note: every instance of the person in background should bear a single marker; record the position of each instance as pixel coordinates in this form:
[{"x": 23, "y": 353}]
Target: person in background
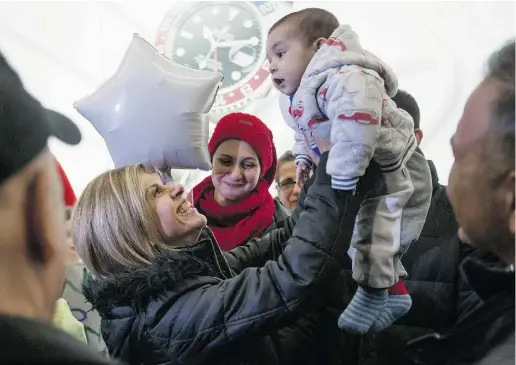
[
  {"x": 69, "y": 200},
  {"x": 288, "y": 189},
  {"x": 440, "y": 224},
  {"x": 64, "y": 320},
  {"x": 76, "y": 275},
  {"x": 32, "y": 230},
  {"x": 63, "y": 317},
  {"x": 235, "y": 198}
]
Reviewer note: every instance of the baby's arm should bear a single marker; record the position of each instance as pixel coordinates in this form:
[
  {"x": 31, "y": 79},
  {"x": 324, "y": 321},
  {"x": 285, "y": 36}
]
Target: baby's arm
[
  {"x": 354, "y": 108},
  {"x": 300, "y": 150},
  {"x": 303, "y": 162}
]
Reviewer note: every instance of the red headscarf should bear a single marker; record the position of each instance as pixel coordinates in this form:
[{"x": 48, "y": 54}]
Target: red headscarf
[
  {"x": 236, "y": 224},
  {"x": 69, "y": 195}
]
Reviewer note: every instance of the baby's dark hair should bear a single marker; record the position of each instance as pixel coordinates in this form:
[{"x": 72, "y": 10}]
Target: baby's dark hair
[{"x": 311, "y": 23}]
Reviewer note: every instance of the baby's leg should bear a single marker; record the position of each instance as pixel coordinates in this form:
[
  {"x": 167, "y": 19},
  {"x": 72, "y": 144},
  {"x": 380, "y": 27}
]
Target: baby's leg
[
  {"x": 377, "y": 240},
  {"x": 367, "y": 303},
  {"x": 412, "y": 222}
]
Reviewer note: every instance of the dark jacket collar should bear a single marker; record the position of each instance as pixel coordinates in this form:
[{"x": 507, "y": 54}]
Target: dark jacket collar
[
  {"x": 487, "y": 275},
  {"x": 281, "y": 213},
  {"x": 435, "y": 177},
  {"x": 166, "y": 272},
  {"x": 481, "y": 330}
]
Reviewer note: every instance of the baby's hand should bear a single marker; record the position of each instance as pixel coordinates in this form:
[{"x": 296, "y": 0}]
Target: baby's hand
[{"x": 302, "y": 173}]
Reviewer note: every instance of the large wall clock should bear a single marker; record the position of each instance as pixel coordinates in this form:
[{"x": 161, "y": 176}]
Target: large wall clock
[{"x": 227, "y": 37}]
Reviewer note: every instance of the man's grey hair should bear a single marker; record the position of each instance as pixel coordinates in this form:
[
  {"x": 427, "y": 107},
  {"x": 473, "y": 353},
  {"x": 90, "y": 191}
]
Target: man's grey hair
[{"x": 501, "y": 68}]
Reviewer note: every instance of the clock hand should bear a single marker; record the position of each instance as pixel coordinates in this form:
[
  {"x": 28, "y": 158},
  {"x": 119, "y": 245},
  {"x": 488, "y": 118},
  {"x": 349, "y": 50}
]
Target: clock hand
[
  {"x": 204, "y": 63},
  {"x": 239, "y": 43},
  {"x": 207, "y": 33},
  {"x": 215, "y": 61}
]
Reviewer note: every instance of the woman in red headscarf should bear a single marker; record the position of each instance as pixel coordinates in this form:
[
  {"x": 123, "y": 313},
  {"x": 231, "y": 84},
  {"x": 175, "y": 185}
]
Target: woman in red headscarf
[{"x": 236, "y": 198}]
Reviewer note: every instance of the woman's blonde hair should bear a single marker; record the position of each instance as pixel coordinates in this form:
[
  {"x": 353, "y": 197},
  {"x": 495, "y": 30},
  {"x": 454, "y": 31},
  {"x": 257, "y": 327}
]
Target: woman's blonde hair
[{"x": 114, "y": 228}]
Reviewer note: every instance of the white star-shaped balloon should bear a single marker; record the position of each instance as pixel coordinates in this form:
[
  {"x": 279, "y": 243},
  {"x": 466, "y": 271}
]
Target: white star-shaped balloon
[{"x": 153, "y": 111}]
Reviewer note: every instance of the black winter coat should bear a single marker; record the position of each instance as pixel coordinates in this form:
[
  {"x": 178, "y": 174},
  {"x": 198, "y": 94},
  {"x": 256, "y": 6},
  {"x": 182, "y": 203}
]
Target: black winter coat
[
  {"x": 281, "y": 215},
  {"x": 191, "y": 307},
  {"x": 484, "y": 332}
]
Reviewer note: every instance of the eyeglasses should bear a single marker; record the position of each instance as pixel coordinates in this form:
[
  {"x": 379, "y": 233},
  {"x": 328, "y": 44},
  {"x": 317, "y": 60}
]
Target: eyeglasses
[{"x": 287, "y": 185}]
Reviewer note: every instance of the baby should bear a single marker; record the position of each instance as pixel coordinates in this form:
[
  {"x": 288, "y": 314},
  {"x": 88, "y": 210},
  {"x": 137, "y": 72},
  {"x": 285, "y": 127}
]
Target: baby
[{"x": 341, "y": 93}]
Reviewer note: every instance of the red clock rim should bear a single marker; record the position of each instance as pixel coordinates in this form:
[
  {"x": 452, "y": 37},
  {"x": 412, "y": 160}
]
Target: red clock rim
[{"x": 235, "y": 95}]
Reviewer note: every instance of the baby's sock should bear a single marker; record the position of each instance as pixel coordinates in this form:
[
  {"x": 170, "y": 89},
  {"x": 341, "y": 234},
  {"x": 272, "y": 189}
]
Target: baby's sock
[
  {"x": 364, "y": 309},
  {"x": 398, "y": 304}
]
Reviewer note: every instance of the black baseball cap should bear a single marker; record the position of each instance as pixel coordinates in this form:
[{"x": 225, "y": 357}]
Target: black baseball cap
[{"x": 25, "y": 124}]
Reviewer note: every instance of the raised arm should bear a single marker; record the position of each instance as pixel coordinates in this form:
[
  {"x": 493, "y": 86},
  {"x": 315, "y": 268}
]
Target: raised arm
[
  {"x": 260, "y": 300},
  {"x": 258, "y": 251}
]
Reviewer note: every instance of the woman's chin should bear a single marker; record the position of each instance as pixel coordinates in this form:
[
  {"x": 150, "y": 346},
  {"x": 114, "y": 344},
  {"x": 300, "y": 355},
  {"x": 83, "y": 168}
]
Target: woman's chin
[
  {"x": 190, "y": 236},
  {"x": 203, "y": 221},
  {"x": 232, "y": 197}
]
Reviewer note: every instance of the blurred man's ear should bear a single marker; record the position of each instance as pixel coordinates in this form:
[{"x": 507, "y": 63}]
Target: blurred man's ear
[
  {"x": 44, "y": 211},
  {"x": 419, "y": 135}
]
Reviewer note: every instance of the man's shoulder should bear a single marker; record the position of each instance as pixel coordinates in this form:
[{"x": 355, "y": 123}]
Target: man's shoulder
[
  {"x": 503, "y": 354},
  {"x": 29, "y": 341}
]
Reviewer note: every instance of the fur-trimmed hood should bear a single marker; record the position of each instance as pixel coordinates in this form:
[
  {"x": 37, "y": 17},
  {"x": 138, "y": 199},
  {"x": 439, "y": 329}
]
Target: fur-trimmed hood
[{"x": 166, "y": 272}]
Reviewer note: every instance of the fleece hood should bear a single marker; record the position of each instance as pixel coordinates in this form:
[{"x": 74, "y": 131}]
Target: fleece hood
[{"x": 343, "y": 48}]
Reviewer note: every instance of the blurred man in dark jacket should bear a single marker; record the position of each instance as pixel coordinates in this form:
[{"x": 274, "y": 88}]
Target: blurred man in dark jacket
[
  {"x": 440, "y": 222},
  {"x": 463, "y": 288},
  {"x": 481, "y": 191},
  {"x": 32, "y": 230},
  {"x": 448, "y": 279}
]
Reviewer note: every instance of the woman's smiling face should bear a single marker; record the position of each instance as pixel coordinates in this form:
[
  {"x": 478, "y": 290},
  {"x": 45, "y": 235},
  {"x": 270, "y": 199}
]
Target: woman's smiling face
[
  {"x": 236, "y": 171},
  {"x": 177, "y": 218}
]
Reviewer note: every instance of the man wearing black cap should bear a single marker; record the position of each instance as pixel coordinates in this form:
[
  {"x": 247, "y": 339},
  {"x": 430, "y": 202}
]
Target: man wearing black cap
[{"x": 32, "y": 230}]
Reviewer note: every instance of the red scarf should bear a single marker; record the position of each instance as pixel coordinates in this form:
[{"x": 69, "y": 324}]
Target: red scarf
[{"x": 235, "y": 224}]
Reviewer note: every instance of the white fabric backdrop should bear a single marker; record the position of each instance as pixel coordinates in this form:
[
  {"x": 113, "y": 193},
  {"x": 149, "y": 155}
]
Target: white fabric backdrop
[{"x": 64, "y": 50}]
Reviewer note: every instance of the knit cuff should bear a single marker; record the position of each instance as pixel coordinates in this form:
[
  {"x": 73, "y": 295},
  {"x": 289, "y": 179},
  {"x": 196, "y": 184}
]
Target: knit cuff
[
  {"x": 305, "y": 159},
  {"x": 344, "y": 183}
]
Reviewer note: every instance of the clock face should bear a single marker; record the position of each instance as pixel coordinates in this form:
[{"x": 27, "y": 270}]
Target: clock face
[
  {"x": 226, "y": 37},
  {"x": 222, "y": 37}
]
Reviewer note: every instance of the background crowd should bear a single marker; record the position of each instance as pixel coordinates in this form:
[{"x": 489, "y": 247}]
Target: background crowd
[{"x": 235, "y": 276}]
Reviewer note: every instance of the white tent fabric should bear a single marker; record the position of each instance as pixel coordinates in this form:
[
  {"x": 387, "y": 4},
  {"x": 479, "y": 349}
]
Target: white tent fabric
[{"x": 65, "y": 50}]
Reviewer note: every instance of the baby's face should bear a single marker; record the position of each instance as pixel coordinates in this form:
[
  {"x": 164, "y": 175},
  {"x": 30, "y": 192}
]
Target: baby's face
[{"x": 289, "y": 56}]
